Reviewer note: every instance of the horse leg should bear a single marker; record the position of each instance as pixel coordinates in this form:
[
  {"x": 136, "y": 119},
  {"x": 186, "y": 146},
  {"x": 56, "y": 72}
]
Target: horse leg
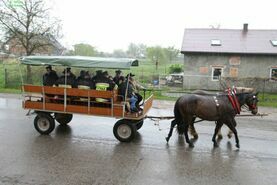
[
  {"x": 231, "y": 124},
  {"x": 217, "y": 128},
  {"x": 219, "y": 134},
  {"x": 192, "y": 130},
  {"x": 188, "y": 122},
  {"x": 230, "y": 133},
  {"x": 173, "y": 123},
  {"x": 187, "y": 136}
]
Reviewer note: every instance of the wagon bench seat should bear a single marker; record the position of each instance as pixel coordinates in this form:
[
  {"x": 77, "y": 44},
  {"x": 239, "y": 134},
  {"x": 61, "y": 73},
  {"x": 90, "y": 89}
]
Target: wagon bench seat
[{"x": 116, "y": 108}]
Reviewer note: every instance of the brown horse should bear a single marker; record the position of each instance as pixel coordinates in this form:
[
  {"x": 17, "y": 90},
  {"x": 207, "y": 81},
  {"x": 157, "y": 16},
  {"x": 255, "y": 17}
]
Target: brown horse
[
  {"x": 211, "y": 108},
  {"x": 192, "y": 129}
]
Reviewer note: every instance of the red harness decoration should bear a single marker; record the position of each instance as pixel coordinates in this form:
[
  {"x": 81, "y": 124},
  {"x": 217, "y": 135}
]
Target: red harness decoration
[{"x": 234, "y": 100}]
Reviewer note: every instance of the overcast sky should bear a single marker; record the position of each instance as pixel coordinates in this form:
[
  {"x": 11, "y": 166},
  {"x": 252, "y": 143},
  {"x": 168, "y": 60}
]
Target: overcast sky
[{"x": 113, "y": 24}]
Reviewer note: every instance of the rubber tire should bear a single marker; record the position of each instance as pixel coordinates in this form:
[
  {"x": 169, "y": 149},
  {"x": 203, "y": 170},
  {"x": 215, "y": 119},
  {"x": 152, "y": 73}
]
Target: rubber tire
[
  {"x": 139, "y": 124},
  {"x": 130, "y": 125},
  {"x": 50, "y": 120},
  {"x": 63, "y": 119}
]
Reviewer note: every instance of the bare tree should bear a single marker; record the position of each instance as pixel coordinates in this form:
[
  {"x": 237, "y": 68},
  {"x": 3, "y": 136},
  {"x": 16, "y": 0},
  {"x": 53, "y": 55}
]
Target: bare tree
[{"x": 28, "y": 22}]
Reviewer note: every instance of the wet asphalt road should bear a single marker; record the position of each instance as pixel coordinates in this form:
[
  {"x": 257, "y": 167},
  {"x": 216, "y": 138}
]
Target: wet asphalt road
[{"x": 86, "y": 152}]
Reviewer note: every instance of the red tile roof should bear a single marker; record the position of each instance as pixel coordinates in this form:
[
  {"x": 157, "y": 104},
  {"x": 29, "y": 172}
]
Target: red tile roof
[{"x": 232, "y": 41}]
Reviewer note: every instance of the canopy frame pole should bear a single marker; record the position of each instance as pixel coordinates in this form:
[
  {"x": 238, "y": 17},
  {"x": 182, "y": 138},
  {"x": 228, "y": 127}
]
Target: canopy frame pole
[
  {"x": 65, "y": 95},
  {"x": 125, "y": 98},
  {"x": 22, "y": 83}
]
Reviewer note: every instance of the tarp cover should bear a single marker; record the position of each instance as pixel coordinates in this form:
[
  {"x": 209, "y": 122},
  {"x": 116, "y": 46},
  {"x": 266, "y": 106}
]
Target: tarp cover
[{"x": 80, "y": 61}]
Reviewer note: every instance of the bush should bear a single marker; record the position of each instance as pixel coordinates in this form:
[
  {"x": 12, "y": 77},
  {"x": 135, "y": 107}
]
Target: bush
[{"x": 176, "y": 68}]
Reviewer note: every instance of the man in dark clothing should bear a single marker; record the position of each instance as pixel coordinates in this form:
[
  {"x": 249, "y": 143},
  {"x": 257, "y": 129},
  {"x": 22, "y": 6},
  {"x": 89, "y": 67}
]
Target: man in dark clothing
[
  {"x": 84, "y": 79},
  {"x": 50, "y": 77},
  {"x": 96, "y": 78},
  {"x": 104, "y": 82},
  {"x": 67, "y": 76},
  {"x": 116, "y": 77}
]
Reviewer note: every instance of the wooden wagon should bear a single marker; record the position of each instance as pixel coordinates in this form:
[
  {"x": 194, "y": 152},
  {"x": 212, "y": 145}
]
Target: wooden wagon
[{"x": 60, "y": 103}]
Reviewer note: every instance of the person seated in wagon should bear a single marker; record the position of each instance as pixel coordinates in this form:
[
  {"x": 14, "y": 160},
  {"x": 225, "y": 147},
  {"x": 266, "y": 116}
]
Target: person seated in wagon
[
  {"x": 50, "y": 77},
  {"x": 68, "y": 79},
  {"x": 136, "y": 87},
  {"x": 84, "y": 81},
  {"x": 127, "y": 90}
]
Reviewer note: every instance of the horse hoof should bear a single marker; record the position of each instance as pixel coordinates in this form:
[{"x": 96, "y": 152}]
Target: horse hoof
[
  {"x": 191, "y": 145},
  {"x": 237, "y": 145},
  {"x": 167, "y": 139},
  {"x": 215, "y": 145},
  {"x": 219, "y": 137}
]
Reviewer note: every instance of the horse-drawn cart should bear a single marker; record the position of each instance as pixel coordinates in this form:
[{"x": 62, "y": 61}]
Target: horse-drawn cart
[{"x": 43, "y": 99}]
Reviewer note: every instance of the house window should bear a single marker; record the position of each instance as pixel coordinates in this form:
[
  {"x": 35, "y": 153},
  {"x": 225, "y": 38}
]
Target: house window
[
  {"x": 273, "y": 73},
  {"x": 274, "y": 43},
  {"x": 217, "y": 73},
  {"x": 215, "y": 42}
]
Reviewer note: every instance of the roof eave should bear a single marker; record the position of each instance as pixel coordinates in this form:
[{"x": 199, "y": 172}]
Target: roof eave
[{"x": 243, "y": 53}]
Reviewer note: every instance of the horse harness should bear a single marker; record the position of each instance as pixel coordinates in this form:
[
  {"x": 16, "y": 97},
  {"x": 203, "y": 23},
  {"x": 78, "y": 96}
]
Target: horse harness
[{"x": 231, "y": 94}]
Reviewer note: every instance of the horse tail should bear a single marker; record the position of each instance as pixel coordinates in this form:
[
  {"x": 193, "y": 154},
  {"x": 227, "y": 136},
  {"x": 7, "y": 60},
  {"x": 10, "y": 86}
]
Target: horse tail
[{"x": 179, "y": 118}]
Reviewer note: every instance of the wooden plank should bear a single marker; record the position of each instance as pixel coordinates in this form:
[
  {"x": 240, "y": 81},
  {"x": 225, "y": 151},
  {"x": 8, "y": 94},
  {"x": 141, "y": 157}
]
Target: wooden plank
[
  {"x": 70, "y": 91},
  {"x": 53, "y": 90},
  {"x": 81, "y": 109},
  {"x": 32, "y": 105},
  {"x": 148, "y": 104},
  {"x": 32, "y": 88}
]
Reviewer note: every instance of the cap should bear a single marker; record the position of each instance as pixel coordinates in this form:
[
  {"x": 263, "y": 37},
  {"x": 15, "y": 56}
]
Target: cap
[
  {"x": 105, "y": 73},
  {"x": 130, "y": 75},
  {"x": 68, "y": 69},
  {"x": 82, "y": 73},
  {"x": 118, "y": 71},
  {"x": 98, "y": 72},
  {"x": 48, "y": 67}
]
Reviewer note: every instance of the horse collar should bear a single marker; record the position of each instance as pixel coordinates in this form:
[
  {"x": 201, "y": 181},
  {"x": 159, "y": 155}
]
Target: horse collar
[{"x": 234, "y": 101}]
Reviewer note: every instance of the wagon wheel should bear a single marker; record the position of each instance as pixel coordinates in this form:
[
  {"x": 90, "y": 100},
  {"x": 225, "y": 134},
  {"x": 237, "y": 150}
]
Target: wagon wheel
[
  {"x": 44, "y": 123},
  {"x": 139, "y": 124},
  {"x": 63, "y": 119},
  {"x": 124, "y": 130}
]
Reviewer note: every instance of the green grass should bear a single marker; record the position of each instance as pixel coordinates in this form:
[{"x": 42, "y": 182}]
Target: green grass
[
  {"x": 11, "y": 91},
  {"x": 268, "y": 100}
]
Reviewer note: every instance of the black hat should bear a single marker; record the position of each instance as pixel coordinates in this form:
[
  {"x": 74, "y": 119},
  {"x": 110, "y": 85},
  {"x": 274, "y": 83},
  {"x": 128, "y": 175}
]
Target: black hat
[
  {"x": 68, "y": 69},
  {"x": 99, "y": 72},
  {"x": 82, "y": 73},
  {"x": 130, "y": 75},
  {"x": 48, "y": 67},
  {"x": 105, "y": 73},
  {"x": 118, "y": 71}
]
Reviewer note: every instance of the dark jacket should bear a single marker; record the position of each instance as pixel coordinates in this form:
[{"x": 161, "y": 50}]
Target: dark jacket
[
  {"x": 122, "y": 90},
  {"x": 50, "y": 78},
  {"x": 71, "y": 80},
  {"x": 116, "y": 80},
  {"x": 84, "y": 81},
  {"x": 103, "y": 79}
]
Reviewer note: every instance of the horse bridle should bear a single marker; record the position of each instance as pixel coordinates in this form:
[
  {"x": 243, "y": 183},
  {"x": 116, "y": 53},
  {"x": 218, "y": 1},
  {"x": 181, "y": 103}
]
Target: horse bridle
[{"x": 253, "y": 106}]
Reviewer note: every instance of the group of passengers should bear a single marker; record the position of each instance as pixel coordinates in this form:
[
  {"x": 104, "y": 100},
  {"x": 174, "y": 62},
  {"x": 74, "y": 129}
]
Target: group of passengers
[{"x": 127, "y": 86}]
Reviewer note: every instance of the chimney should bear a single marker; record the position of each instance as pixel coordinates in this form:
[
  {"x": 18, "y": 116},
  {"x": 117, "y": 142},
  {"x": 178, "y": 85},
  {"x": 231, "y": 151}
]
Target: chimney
[{"x": 245, "y": 27}]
